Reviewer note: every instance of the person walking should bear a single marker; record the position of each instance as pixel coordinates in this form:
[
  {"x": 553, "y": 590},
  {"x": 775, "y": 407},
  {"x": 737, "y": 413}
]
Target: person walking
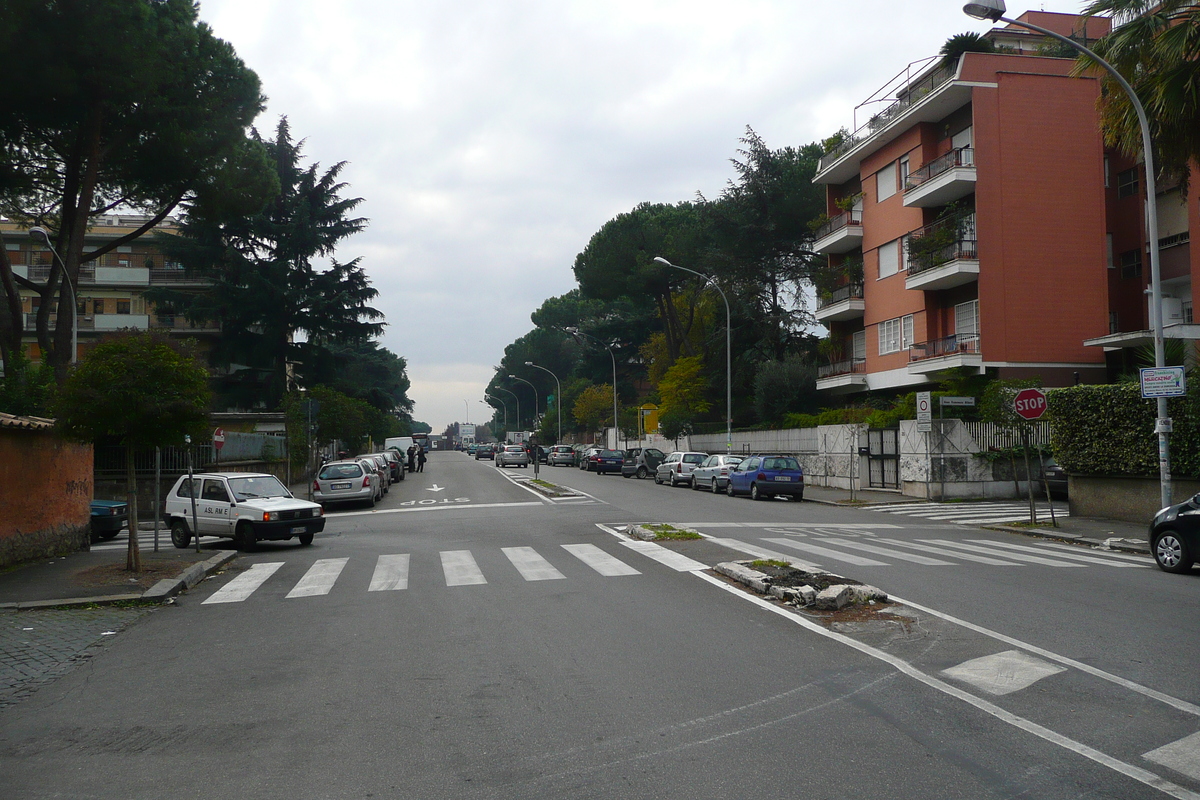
[
  {"x": 420, "y": 459},
  {"x": 412, "y": 456}
]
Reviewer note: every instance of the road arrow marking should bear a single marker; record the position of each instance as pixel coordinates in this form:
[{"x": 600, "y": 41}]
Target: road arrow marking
[{"x": 435, "y": 488}]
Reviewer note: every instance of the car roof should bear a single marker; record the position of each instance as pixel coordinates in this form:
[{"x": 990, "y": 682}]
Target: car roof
[{"x": 233, "y": 475}]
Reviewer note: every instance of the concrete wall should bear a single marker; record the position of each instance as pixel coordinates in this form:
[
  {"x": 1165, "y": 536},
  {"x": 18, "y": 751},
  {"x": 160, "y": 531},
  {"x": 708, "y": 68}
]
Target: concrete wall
[
  {"x": 1129, "y": 499},
  {"x": 45, "y": 494}
]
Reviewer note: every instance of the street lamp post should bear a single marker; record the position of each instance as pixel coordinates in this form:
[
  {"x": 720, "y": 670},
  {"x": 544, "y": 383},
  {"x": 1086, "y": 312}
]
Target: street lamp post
[
  {"x": 557, "y": 397},
  {"x": 575, "y": 332},
  {"x": 467, "y": 406},
  {"x": 993, "y": 11},
  {"x": 502, "y": 405},
  {"x": 728, "y": 352},
  {"x": 514, "y": 394},
  {"x": 40, "y": 234},
  {"x": 531, "y": 386}
]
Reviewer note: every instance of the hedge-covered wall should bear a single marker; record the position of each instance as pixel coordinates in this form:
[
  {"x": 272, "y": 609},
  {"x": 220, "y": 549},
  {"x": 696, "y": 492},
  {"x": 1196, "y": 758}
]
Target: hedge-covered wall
[{"x": 1109, "y": 430}]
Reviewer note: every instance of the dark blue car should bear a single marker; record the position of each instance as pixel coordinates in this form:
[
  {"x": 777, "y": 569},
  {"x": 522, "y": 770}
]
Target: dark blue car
[
  {"x": 767, "y": 475},
  {"x": 108, "y": 518},
  {"x": 608, "y": 461}
]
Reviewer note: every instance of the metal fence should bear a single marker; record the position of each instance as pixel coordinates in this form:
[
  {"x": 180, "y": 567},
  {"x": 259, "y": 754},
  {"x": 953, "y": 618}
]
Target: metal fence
[
  {"x": 990, "y": 436},
  {"x": 110, "y": 460}
]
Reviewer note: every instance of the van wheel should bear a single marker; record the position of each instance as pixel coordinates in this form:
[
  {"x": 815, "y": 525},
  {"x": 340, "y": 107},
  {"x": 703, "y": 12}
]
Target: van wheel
[
  {"x": 306, "y": 538},
  {"x": 246, "y": 542},
  {"x": 179, "y": 534}
]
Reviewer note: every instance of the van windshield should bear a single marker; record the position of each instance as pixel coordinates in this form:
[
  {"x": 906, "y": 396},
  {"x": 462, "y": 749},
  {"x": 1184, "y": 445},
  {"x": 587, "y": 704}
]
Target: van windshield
[{"x": 260, "y": 486}]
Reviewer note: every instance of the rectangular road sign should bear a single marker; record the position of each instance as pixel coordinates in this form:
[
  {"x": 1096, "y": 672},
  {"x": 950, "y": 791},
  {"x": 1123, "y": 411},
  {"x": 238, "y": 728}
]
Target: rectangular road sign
[
  {"x": 1163, "y": 382},
  {"x": 958, "y": 401},
  {"x": 924, "y": 412}
]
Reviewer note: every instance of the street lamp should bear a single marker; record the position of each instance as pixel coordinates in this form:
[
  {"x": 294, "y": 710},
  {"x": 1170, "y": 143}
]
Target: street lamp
[
  {"x": 40, "y": 234},
  {"x": 993, "y": 11},
  {"x": 575, "y": 332},
  {"x": 467, "y": 406},
  {"x": 728, "y": 352},
  {"x": 557, "y": 397},
  {"x": 531, "y": 386},
  {"x": 514, "y": 394},
  {"x": 502, "y": 405}
]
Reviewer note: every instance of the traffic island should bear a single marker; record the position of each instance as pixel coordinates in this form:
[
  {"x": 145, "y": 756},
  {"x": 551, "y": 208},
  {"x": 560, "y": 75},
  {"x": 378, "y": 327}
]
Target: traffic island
[
  {"x": 791, "y": 585},
  {"x": 548, "y": 489},
  {"x": 661, "y": 532}
]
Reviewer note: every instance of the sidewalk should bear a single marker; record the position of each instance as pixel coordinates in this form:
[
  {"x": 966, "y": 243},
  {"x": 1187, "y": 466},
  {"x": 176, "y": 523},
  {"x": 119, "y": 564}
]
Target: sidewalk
[{"x": 1109, "y": 533}]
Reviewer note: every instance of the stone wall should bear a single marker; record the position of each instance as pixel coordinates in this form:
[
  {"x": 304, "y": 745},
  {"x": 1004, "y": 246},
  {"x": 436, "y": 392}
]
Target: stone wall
[
  {"x": 1130, "y": 499},
  {"x": 45, "y": 494}
]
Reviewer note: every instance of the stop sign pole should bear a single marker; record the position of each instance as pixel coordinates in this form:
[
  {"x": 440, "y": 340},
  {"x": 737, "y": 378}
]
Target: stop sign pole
[
  {"x": 1030, "y": 405},
  {"x": 218, "y": 443}
]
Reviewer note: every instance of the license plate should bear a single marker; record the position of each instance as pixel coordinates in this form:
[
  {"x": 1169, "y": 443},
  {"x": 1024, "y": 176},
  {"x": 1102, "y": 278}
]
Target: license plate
[
  {"x": 339, "y": 486},
  {"x": 782, "y": 478},
  {"x": 299, "y": 529}
]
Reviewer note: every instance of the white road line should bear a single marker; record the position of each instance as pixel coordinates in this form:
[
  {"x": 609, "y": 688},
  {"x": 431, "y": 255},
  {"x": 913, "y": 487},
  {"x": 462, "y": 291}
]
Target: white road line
[
  {"x": 1136, "y": 773},
  {"x": 941, "y": 551},
  {"x": 391, "y": 573},
  {"x": 846, "y": 525},
  {"x": 1049, "y": 562},
  {"x": 884, "y": 551},
  {"x": 602, "y": 562},
  {"x": 1107, "y": 562},
  {"x": 460, "y": 568},
  {"x": 1003, "y": 673},
  {"x": 1144, "y": 559},
  {"x": 1182, "y": 755},
  {"x": 762, "y": 552},
  {"x": 439, "y": 507},
  {"x": 858, "y": 561},
  {"x": 668, "y": 558},
  {"x": 244, "y": 585},
  {"x": 531, "y": 565},
  {"x": 320, "y": 578}
]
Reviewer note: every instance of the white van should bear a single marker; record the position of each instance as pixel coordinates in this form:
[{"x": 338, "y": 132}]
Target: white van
[{"x": 401, "y": 443}]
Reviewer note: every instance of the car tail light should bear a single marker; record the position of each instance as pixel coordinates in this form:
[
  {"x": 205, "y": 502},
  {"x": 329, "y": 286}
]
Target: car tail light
[
  {"x": 679, "y": 467},
  {"x": 762, "y": 477},
  {"x": 366, "y": 482},
  {"x": 316, "y": 486}
]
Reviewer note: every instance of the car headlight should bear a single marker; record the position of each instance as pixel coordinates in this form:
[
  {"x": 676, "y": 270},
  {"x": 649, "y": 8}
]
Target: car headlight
[
  {"x": 270, "y": 516},
  {"x": 1166, "y": 514}
]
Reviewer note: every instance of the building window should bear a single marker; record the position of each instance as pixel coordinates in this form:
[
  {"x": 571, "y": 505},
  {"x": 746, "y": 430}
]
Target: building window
[
  {"x": 889, "y": 258},
  {"x": 1112, "y": 264},
  {"x": 1187, "y": 312},
  {"x": 97, "y": 306},
  {"x": 858, "y": 344},
  {"x": 1131, "y": 263},
  {"x": 1127, "y": 183},
  {"x": 904, "y": 170},
  {"x": 966, "y": 321},
  {"x": 885, "y": 182},
  {"x": 122, "y": 306},
  {"x": 895, "y": 335},
  {"x": 1114, "y": 322},
  {"x": 1106, "y": 172}
]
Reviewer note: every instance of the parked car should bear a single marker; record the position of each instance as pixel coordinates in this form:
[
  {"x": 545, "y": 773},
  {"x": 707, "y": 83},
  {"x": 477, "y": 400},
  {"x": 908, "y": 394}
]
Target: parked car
[
  {"x": 561, "y": 455},
  {"x": 543, "y": 454},
  {"x": 485, "y": 451},
  {"x": 395, "y": 465},
  {"x": 608, "y": 461},
  {"x": 346, "y": 482},
  {"x": 471, "y": 448},
  {"x": 677, "y": 467},
  {"x": 512, "y": 455},
  {"x": 640, "y": 462},
  {"x": 1175, "y": 535},
  {"x": 1056, "y": 479},
  {"x": 381, "y": 466},
  {"x": 767, "y": 475},
  {"x": 248, "y": 507},
  {"x": 713, "y": 473},
  {"x": 108, "y": 518},
  {"x": 585, "y": 458}
]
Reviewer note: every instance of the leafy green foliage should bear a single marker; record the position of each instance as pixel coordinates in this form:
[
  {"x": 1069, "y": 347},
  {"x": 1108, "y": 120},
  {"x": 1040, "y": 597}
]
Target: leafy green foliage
[
  {"x": 339, "y": 418},
  {"x": 785, "y": 387},
  {"x": 682, "y": 390},
  {"x": 960, "y": 43},
  {"x": 593, "y": 406},
  {"x": 26, "y": 389}
]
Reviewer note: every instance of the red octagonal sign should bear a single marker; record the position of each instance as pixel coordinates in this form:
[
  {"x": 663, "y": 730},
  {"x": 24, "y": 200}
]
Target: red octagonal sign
[{"x": 1030, "y": 403}]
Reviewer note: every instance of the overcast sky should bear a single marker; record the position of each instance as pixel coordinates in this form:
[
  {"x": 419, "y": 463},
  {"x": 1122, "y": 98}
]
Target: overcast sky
[{"x": 490, "y": 140}]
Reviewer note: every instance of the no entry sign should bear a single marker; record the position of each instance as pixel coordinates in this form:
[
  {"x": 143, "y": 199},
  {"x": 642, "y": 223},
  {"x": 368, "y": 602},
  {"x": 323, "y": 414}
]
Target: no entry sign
[
  {"x": 1030, "y": 403},
  {"x": 219, "y": 438}
]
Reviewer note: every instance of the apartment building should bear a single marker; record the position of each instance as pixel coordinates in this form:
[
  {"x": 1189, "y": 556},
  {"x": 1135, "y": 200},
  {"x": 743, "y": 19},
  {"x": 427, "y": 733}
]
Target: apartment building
[
  {"x": 976, "y": 220},
  {"x": 110, "y": 293}
]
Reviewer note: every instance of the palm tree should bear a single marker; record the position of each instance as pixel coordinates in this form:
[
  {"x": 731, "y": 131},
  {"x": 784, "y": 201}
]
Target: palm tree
[{"x": 961, "y": 43}]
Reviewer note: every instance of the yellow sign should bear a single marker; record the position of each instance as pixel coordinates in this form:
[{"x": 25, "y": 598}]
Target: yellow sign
[{"x": 649, "y": 418}]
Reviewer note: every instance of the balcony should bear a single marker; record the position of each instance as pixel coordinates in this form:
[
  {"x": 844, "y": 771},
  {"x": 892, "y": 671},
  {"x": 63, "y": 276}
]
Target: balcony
[
  {"x": 841, "y": 234},
  {"x": 942, "y": 255},
  {"x": 959, "y": 350},
  {"x": 177, "y": 323},
  {"x": 177, "y": 277},
  {"x": 843, "y": 376},
  {"x": 842, "y": 304},
  {"x": 945, "y": 179}
]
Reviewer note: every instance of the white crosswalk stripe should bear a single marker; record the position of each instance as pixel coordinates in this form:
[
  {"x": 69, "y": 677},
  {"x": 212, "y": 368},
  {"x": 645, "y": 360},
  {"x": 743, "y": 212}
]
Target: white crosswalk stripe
[
  {"x": 391, "y": 573},
  {"x": 835, "y": 555},
  {"x": 1108, "y": 562},
  {"x": 320, "y": 578},
  {"x": 972, "y": 548},
  {"x": 244, "y": 585},
  {"x": 969, "y": 513},
  {"x": 460, "y": 568},
  {"x": 600, "y": 561},
  {"x": 531, "y": 565}
]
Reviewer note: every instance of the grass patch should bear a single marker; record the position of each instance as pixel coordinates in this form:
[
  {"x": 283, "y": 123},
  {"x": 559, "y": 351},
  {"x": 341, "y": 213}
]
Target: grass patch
[
  {"x": 769, "y": 562},
  {"x": 543, "y": 484},
  {"x": 665, "y": 531}
]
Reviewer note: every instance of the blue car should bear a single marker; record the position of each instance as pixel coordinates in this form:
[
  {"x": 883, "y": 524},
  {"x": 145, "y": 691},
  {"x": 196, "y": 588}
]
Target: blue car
[
  {"x": 108, "y": 518},
  {"x": 767, "y": 475}
]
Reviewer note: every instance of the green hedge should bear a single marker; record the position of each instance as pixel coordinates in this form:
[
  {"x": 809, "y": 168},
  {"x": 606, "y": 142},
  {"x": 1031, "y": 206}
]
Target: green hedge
[{"x": 1109, "y": 430}]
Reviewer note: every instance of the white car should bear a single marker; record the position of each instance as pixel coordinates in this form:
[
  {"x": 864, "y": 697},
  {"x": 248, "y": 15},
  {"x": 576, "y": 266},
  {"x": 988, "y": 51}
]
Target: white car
[
  {"x": 512, "y": 454},
  {"x": 677, "y": 467},
  {"x": 247, "y": 507},
  {"x": 346, "y": 482},
  {"x": 713, "y": 474}
]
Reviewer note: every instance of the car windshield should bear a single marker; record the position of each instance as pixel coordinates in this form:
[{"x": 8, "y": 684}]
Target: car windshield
[
  {"x": 260, "y": 486},
  {"x": 780, "y": 463},
  {"x": 611, "y": 454},
  {"x": 332, "y": 472}
]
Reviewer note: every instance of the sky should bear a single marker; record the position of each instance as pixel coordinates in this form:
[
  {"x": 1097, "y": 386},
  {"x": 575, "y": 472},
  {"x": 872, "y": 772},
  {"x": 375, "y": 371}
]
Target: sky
[{"x": 490, "y": 139}]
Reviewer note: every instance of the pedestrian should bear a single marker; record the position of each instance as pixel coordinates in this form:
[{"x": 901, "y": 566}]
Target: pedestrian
[
  {"x": 420, "y": 459},
  {"x": 412, "y": 456}
]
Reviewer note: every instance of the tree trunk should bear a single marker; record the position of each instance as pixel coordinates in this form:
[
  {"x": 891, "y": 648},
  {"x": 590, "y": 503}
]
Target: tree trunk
[{"x": 133, "y": 557}]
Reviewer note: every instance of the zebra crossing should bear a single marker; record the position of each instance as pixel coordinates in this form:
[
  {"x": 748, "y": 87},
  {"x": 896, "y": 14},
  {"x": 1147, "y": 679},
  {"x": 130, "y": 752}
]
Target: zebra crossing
[
  {"x": 458, "y": 568},
  {"x": 970, "y": 513}
]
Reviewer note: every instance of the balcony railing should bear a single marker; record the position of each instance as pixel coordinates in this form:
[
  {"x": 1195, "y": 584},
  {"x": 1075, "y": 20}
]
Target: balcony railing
[
  {"x": 87, "y": 275},
  {"x": 853, "y": 291},
  {"x": 837, "y": 223},
  {"x": 82, "y": 323},
  {"x": 959, "y": 157},
  {"x": 940, "y": 243},
  {"x": 957, "y": 344},
  {"x": 161, "y": 276},
  {"x": 850, "y": 367},
  {"x": 180, "y": 323}
]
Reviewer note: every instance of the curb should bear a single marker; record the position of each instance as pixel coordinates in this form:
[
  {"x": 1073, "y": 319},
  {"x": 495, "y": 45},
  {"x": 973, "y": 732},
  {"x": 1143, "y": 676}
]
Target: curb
[
  {"x": 167, "y": 587},
  {"x": 1122, "y": 545}
]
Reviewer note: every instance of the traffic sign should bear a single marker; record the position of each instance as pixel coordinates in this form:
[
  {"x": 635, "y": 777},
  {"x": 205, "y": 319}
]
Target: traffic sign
[
  {"x": 1030, "y": 403},
  {"x": 957, "y": 401},
  {"x": 924, "y": 412},
  {"x": 219, "y": 438}
]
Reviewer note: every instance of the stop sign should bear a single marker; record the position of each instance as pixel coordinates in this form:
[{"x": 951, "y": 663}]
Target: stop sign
[
  {"x": 1030, "y": 403},
  {"x": 219, "y": 438}
]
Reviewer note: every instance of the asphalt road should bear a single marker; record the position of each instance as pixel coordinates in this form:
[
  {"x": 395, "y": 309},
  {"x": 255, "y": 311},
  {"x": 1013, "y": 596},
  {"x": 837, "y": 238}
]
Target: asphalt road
[{"x": 470, "y": 638}]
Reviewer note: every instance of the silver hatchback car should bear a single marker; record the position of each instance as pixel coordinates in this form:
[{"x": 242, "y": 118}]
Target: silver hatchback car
[
  {"x": 346, "y": 482},
  {"x": 512, "y": 455}
]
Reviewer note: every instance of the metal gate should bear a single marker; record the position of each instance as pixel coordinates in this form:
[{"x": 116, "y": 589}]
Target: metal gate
[{"x": 883, "y": 458}]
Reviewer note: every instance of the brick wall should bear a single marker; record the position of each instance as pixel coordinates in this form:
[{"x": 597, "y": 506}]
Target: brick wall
[{"x": 45, "y": 492}]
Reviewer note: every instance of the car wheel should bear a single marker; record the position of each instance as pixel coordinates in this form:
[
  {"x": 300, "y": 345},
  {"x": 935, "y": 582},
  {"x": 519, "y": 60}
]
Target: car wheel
[
  {"x": 245, "y": 539},
  {"x": 179, "y": 534},
  {"x": 657, "y": 480},
  {"x": 306, "y": 539},
  {"x": 1171, "y": 553},
  {"x": 641, "y": 473},
  {"x": 109, "y": 535},
  {"x": 402, "y": 474},
  {"x": 754, "y": 493},
  {"x": 729, "y": 489},
  {"x": 714, "y": 487},
  {"x": 695, "y": 486}
]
